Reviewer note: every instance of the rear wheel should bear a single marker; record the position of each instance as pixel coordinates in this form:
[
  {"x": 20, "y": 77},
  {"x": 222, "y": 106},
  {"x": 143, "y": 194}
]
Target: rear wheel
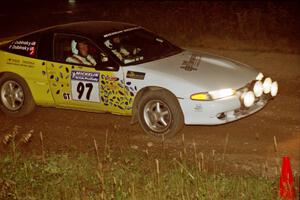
[
  {"x": 159, "y": 113},
  {"x": 15, "y": 96}
]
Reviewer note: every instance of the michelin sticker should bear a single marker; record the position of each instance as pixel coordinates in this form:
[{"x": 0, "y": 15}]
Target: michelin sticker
[{"x": 85, "y": 86}]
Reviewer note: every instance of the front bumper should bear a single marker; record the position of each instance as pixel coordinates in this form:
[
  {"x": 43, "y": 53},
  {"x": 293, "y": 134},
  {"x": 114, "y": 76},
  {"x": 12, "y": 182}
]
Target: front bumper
[{"x": 218, "y": 111}]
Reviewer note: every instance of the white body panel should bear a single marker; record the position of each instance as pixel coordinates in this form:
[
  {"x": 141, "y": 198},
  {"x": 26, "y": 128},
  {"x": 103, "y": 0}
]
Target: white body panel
[
  {"x": 188, "y": 73},
  {"x": 212, "y": 73}
]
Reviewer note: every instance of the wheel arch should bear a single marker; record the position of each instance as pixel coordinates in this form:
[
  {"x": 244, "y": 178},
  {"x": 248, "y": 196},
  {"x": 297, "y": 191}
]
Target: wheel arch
[
  {"x": 15, "y": 74},
  {"x": 25, "y": 81},
  {"x": 1, "y": 74},
  {"x": 38, "y": 86},
  {"x": 28, "y": 103},
  {"x": 138, "y": 96}
]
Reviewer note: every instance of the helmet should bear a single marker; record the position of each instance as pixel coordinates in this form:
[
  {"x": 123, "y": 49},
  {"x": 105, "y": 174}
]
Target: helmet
[{"x": 74, "y": 47}]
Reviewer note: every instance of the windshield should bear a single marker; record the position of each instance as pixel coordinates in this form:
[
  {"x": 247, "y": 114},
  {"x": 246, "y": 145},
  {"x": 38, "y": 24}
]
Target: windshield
[{"x": 139, "y": 46}]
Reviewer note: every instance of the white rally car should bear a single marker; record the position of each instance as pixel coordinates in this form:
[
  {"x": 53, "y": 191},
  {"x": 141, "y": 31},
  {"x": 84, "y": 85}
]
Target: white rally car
[{"x": 124, "y": 69}]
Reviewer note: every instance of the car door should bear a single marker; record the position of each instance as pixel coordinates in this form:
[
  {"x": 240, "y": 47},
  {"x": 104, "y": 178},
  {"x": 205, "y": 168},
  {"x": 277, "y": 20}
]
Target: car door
[{"x": 96, "y": 85}]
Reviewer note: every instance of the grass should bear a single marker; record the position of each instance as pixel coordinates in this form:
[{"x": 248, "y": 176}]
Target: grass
[
  {"x": 129, "y": 176},
  {"x": 118, "y": 173}
]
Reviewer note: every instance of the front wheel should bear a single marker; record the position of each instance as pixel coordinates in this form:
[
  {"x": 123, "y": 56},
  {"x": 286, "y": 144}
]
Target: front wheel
[
  {"x": 159, "y": 113},
  {"x": 15, "y": 97}
]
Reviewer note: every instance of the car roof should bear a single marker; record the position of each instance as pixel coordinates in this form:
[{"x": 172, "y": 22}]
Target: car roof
[
  {"x": 91, "y": 29},
  {"x": 94, "y": 27}
]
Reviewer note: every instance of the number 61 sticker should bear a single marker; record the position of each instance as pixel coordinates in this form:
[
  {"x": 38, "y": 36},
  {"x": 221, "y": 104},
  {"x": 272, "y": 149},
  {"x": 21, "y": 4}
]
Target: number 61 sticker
[{"x": 85, "y": 86}]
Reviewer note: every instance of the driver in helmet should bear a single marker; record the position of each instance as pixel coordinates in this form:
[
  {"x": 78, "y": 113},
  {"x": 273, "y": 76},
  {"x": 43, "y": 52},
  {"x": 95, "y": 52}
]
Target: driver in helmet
[
  {"x": 119, "y": 49},
  {"x": 81, "y": 54}
]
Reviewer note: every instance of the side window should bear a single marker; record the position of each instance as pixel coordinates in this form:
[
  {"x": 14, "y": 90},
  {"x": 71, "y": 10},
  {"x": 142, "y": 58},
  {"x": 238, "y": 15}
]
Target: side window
[
  {"x": 25, "y": 46},
  {"x": 124, "y": 48},
  {"x": 77, "y": 50},
  {"x": 138, "y": 46}
]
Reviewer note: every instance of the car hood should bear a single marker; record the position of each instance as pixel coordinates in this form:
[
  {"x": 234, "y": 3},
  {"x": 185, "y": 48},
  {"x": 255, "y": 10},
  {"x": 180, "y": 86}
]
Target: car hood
[{"x": 197, "y": 72}]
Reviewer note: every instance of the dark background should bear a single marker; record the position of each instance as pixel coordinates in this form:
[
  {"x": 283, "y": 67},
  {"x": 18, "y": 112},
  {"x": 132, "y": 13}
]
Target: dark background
[{"x": 258, "y": 25}]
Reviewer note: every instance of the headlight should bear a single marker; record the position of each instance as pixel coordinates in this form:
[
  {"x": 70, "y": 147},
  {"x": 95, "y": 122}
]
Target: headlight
[
  {"x": 267, "y": 85},
  {"x": 258, "y": 88},
  {"x": 274, "y": 89},
  {"x": 217, "y": 94},
  {"x": 260, "y": 76},
  {"x": 248, "y": 99}
]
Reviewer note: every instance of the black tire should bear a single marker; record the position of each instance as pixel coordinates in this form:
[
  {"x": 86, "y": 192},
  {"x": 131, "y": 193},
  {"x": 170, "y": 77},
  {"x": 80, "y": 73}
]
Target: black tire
[
  {"x": 153, "y": 121},
  {"x": 24, "y": 103}
]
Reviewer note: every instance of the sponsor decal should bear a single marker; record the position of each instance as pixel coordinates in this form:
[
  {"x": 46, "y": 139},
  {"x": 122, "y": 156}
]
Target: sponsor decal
[
  {"x": 198, "y": 108},
  {"x": 85, "y": 76},
  {"x": 66, "y": 96},
  {"x": 122, "y": 31},
  {"x": 111, "y": 78},
  {"x": 192, "y": 64},
  {"x": 23, "y": 63},
  {"x": 28, "y": 46},
  {"x": 135, "y": 75},
  {"x": 13, "y": 61},
  {"x": 85, "y": 86}
]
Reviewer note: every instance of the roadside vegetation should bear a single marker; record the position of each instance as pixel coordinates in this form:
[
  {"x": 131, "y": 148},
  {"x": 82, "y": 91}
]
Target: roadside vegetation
[
  {"x": 259, "y": 25},
  {"x": 121, "y": 173}
]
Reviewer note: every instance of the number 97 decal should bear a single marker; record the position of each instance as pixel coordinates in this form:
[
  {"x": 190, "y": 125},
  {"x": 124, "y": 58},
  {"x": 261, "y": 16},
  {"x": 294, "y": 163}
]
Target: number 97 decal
[
  {"x": 85, "y": 86},
  {"x": 81, "y": 88}
]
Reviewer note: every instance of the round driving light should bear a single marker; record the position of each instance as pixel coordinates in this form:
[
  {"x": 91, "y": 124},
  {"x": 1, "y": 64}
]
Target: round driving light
[
  {"x": 249, "y": 99},
  {"x": 260, "y": 76},
  {"x": 274, "y": 89},
  {"x": 258, "y": 88},
  {"x": 267, "y": 85}
]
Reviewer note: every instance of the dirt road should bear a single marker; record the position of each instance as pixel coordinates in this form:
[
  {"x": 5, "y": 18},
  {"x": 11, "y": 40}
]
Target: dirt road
[{"x": 250, "y": 141}]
